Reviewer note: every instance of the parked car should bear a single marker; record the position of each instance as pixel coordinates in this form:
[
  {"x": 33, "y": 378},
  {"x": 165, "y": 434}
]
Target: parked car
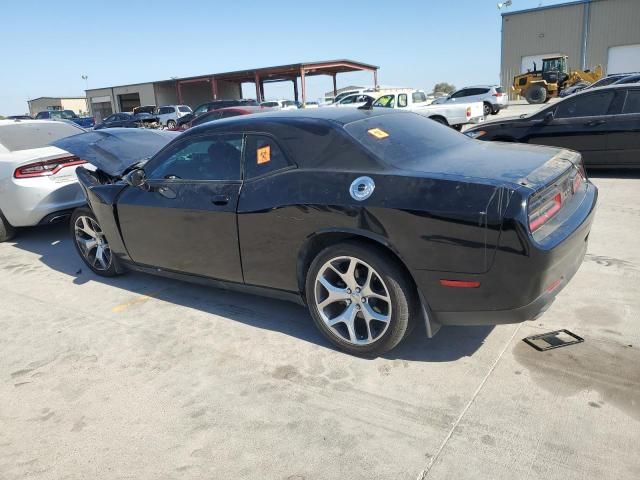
[
  {"x": 225, "y": 113},
  {"x": 129, "y": 120},
  {"x": 492, "y": 97},
  {"x": 355, "y": 100},
  {"x": 168, "y": 115},
  {"x": 84, "y": 122},
  {"x": 602, "y": 123},
  {"x": 608, "y": 80},
  {"x": 311, "y": 105},
  {"x": 150, "y": 109},
  {"x": 37, "y": 181},
  {"x": 215, "y": 105},
  {"x": 453, "y": 114},
  {"x": 281, "y": 104},
  {"x": 565, "y": 92},
  {"x": 19, "y": 117},
  {"x": 375, "y": 219},
  {"x": 628, "y": 79}
]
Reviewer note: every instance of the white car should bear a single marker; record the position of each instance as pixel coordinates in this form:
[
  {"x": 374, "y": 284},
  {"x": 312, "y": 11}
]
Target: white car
[
  {"x": 280, "y": 104},
  {"x": 453, "y": 114},
  {"x": 38, "y": 183},
  {"x": 168, "y": 115}
]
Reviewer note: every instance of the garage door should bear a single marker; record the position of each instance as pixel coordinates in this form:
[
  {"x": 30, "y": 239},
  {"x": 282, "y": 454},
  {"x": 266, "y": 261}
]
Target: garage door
[
  {"x": 527, "y": 62},
  {"x": 624, "y": 59}
]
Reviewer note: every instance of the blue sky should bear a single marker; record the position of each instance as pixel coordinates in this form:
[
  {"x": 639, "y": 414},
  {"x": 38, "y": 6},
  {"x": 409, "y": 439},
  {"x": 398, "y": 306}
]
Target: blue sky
[{"x": 48, "y": 45}]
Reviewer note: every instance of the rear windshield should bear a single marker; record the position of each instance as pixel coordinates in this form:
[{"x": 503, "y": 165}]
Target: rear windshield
[
  {"x": 404, "y": 139},
  {"x": 499, "y": 90},
  {"x": 418, "y": 97},
  {"x": 184, "y": 109},
  {"x": 25, "y": 136}
]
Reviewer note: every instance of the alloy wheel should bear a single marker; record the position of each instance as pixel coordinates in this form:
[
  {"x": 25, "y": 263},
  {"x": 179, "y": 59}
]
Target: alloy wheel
[
  {"x": 92, "y": 243},
  {"x": 352, "y": 300}
]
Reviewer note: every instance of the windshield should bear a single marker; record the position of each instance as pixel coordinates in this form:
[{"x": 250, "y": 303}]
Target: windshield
[
  {"x": 25, "y": 136},
  {"x": 404, "y": 140}
]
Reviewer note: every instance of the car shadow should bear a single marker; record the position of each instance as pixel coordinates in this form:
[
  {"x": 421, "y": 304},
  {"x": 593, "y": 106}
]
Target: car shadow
[{"x": 54, "y": 248}]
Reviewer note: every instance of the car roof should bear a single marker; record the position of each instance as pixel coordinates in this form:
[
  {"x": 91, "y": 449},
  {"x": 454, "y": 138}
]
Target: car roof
[{"x": 18, "y": 121}]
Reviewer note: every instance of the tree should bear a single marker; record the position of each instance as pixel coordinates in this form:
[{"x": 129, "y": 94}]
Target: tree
[{"x": 444, "y": 87}]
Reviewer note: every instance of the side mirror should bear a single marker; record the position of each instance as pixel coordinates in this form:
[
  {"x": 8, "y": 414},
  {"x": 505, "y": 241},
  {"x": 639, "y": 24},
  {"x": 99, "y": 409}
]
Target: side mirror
[
  {"x": 136, "y": 178},
  {"x": 548, "y": 117}
]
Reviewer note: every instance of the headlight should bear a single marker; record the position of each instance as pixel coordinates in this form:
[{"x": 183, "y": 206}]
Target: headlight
[{"x": 475, "y": 133}]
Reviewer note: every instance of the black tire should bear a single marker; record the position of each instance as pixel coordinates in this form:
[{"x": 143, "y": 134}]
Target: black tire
[
  {"x": 487, "y": 109},
  {"x": 171, "y": 124},
  {"x": 7, "y": 231},
  {"x": 495, "y": 111},
  {"x": 402, "y": 295},
  {"x": 111, "y": 268},
  {"x": 536, "y": 94},
  {"x": 440, "y": 120}
]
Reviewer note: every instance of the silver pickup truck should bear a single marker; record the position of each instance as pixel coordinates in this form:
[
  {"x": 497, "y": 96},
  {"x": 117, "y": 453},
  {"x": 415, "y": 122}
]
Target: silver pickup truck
[{"x": 453, "y": 114}]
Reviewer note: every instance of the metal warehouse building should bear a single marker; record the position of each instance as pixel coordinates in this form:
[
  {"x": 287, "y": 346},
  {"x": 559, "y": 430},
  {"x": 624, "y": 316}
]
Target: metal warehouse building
[
  {"x": 590, "y": 32},
  {"x": 194, "y": 91}
]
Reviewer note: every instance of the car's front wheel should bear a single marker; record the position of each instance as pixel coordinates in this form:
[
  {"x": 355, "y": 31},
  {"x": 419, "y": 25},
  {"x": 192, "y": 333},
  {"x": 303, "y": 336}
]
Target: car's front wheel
[
  {"x": 360, "y": 298},
  {"x": 171, "y": 124},
  {"x": 92, "y": 244}
]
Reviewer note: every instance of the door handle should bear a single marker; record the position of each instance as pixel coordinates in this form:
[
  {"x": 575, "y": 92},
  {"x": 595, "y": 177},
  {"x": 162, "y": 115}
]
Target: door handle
[
  {"x": 594, "y": 123},
  {"x": 220, "y": 200}
]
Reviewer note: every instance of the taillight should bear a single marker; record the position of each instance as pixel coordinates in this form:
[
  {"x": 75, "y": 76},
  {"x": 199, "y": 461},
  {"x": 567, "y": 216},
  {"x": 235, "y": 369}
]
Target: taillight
[
  {"x": 544, "y": 211},
  {"x": 468, "y": 112},
  {"x": 577, "y": 182},
  {"x": 44, "y": 169},
  {"x": 498, "y": 94}
]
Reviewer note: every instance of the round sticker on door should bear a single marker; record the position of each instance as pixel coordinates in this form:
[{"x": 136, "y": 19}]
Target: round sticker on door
[{"x": 362, "y": 188}]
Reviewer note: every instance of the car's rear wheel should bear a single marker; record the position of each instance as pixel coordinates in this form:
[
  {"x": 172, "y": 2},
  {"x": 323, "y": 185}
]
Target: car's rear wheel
[
  {"x": 92, "y": 244},
  {"x": 360, "y": 298},
  {"x": 171, "y": 124},
  {"x": 487, "y": 109},
  {"x": 7, "y": 231}
]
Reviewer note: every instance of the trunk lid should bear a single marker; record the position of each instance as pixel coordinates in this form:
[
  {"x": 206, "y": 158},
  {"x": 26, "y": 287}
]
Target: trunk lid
[{"x": 114, "y": 150}]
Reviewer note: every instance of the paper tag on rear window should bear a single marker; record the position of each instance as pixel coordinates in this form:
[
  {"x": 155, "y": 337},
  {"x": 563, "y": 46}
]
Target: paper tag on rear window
[
  {"x": 264, "y": 154},
  {"x": 378, "y": 133}
]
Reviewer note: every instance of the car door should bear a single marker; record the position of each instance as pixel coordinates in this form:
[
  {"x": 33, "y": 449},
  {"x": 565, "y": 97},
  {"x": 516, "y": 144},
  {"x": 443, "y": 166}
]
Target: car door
[
  {"x": 185, "y": 221},
  {"x": 579, "y": 123},
  {"x": 624, "y": 131}
]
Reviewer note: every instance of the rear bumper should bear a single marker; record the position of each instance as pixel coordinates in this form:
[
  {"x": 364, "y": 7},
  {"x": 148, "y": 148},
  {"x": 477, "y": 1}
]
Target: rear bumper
[{"x": 523, "y": 281}]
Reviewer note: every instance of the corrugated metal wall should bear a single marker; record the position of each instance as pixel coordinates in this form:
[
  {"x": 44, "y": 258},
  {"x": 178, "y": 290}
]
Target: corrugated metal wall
[
  {"x": 537, "y": 32},
  {"x": 613, "y": 23},
  {"x": 560, "y": 29}
]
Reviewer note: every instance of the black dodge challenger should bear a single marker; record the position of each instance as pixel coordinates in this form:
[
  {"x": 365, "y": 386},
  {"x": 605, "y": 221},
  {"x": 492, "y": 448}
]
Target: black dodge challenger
[{"x": 376, "y": 220}]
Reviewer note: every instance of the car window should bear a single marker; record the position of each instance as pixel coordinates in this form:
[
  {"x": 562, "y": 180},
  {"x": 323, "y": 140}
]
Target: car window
[
  {"x": 630, "y": 79},
  {"x": 67, "y": 114},
  {"x": 207, "y": 117},
  {"x": 211, "y": 157},
  {"x": 499, "y": 90},
  {"x": 262, "y": 156},
  {"x": 632, "y": 103},
  {"x": 585, "y": 105},
  {"x": 402, "y": 100},
  {"x": 418, "y": 97},
  {"x": 200, "y": 109},
  {"x": 348, "y": 100},
  {"x": 460, "y": 93},
  {"x": 24, "y": 136},
  {"x": 387, "y": 101},
  {"x": 184, "y": 109},
  {"x": 42, "y": 115}
]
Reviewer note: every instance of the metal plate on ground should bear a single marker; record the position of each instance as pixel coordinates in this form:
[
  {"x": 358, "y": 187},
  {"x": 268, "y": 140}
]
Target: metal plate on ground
[{"x": 551, "y": 340}]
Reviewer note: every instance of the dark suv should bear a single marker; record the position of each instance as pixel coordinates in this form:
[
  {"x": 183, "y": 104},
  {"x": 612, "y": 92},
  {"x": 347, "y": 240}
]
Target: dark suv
[{"x": 216, "y": 105}]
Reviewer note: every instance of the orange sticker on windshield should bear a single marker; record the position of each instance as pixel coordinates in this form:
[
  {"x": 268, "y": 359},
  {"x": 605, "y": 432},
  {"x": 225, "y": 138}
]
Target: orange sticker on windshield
[
  {"x": 378, "y": 133},
  {"x": 264, "y": 154}
]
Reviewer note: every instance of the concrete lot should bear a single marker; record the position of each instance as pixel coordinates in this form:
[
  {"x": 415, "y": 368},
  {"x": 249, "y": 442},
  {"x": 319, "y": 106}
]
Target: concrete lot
[{"x": 145, "y": 378}]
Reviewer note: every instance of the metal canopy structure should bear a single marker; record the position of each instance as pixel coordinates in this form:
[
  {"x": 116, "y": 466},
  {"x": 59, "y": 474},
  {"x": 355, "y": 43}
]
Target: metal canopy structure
[{"x": 281, "y": 73}]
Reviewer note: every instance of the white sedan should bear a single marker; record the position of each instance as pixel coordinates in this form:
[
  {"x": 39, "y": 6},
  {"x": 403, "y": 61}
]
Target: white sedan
[{"x": 38, "y": 184}]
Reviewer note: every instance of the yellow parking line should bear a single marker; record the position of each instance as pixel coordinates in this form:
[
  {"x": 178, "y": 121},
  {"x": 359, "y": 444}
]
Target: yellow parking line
[{"x": 141, "y": 299}]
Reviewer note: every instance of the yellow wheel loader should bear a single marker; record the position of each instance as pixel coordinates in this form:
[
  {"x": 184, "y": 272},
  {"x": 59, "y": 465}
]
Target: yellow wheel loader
[{"x": 538, "y": 86}]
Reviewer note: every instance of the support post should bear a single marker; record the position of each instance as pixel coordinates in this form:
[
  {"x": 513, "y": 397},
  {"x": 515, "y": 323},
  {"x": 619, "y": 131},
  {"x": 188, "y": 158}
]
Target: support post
[
  {"x": 256, "y": 80},
  {"x": 261, "y": 91},
  {"x": 295, "y": 89},
  {"x": 179, "y": 88},
  {"x": 302, "y": 84},
  {"x": 375, "y": 79},
  {"x": 335, "y": 86},
  {"x": 214, "y": 87}
]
